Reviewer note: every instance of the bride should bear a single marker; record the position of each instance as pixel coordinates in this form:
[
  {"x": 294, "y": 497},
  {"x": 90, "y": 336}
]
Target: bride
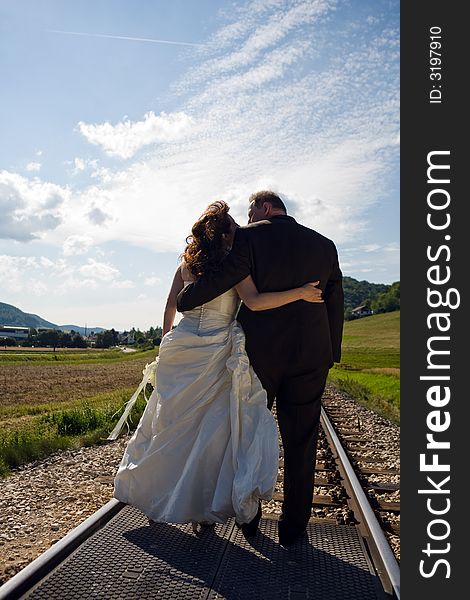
[{"x": 206, "y": 447}]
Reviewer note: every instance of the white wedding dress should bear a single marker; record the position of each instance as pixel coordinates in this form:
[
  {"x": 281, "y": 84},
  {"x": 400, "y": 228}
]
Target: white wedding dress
[{"x": 206, "y": 447}]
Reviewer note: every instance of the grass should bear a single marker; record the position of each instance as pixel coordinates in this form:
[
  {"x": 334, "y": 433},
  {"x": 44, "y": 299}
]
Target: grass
[
  {"x": 26, "y": 411},
  {"x": 86, "y": 423},
  {"x": 49, "y": 405},
  {"x": 80, "y": 357},
  {"x": 27, "y": 386},
  {"x": 369, "y": 370}
]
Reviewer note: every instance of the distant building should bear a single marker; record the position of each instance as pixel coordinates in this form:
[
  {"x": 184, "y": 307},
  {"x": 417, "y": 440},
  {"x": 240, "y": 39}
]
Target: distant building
[
  {"x": 362, "y": 311},
  {"x": 17, "y": 333},
  {"x": 126, "y": 337},
  {"x": 90, "y": 339}
]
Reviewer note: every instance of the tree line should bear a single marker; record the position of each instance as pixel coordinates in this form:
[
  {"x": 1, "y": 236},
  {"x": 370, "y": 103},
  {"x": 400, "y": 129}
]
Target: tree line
[
  {"x": 378, "y": 297},
  {"x": 55, "y": 338}
]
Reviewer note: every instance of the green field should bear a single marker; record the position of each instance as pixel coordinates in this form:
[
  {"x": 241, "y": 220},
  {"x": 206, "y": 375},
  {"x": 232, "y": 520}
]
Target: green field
[
  {"x": 52, "y": 401},
  {"x": 369, "y": 369},
  {"x": 42, "y": 356}
]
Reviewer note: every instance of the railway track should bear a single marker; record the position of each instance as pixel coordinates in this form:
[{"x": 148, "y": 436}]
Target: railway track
[
  {"x": 353, "y": 486},
  {"x": 377, "y": 471},
  {"x": 374, "y": 456},
  {"x": 365, "y": 509}
]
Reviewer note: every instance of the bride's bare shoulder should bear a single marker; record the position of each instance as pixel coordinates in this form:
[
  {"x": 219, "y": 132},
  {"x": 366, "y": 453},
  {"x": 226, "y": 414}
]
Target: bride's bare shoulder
[{"x": 185, "y": 272}]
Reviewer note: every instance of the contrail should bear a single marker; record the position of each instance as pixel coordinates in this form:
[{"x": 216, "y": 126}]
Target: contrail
[{"x": 123, "y": 37}]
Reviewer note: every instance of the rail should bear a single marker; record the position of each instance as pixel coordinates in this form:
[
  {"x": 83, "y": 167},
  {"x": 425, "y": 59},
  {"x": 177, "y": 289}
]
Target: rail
[{"x": 385, "y": 562}]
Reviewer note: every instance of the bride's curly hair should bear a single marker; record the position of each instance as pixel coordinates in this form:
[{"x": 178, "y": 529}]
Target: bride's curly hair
[{"x": 206, "y": 248}]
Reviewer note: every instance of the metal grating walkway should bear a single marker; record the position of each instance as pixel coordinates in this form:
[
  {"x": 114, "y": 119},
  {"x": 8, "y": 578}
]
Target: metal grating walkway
[{"x": 127, "y": 560}]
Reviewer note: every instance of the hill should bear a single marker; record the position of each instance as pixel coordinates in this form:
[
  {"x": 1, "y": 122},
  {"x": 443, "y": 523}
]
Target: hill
[
  {"x": 11, "y": 315},
  {"x": 369, "y": 370},
  {"x": 80, "y": 330},
  {"x": 372, "y": 341},
  {"x": 357, "y": 292}
]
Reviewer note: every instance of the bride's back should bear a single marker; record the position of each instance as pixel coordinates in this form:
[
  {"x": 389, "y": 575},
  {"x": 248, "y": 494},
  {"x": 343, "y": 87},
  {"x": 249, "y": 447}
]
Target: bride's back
[{"x": 226, "y": 304}]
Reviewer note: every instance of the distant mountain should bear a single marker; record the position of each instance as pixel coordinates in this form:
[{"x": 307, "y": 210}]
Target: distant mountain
[
  {"x": 79, "y": 329},
  {"x": 10, "y": 315}
]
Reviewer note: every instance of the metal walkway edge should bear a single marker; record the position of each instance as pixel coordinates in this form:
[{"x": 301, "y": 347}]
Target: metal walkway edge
[{"x": 126, "y": 559}]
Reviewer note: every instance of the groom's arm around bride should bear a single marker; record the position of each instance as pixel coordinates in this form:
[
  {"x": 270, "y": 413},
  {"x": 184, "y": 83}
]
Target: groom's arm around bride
[{"x": 280, "y": 254}]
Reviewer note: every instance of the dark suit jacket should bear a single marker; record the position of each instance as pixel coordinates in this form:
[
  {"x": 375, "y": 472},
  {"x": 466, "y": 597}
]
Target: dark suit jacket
[{"x": 281, "y": 254}]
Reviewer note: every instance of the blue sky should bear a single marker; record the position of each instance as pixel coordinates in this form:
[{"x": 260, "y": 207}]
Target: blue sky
[{"x": 112, "y": 147}]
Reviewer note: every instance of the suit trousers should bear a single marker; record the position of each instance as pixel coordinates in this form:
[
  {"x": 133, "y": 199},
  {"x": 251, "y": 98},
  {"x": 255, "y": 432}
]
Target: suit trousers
[{"x": 298, "y": 405}]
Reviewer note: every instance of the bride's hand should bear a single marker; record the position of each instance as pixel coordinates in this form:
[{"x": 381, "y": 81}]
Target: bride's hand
[{"x": 311, "y": 293}]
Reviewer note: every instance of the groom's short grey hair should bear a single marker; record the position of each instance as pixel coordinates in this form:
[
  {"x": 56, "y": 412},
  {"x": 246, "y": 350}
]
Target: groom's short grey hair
[{"x": 267, "y": 196}]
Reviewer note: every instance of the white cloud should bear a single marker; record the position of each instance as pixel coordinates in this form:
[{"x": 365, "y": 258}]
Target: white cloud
[
  {"x": 390, "y": 247},
  {"x": 97, "y": 216},
  {"x": 33, "y": 167},
  {"x": 245, "y": 18},
  {"x": 28, "y": 208},
  {"x": 11, "y": 272},
  {"x": 77, "y": 244},
  {"x": 22, "y": 274},
  {"x": 82, "y": 164},
  {"x": 73, "y": 284},
  {"x": 38, "y": 288},
  {"x": 382, "y": 267},
  {"x": 123, "y": 284},
  {"x": 46, "y": 262},
  {"x": 99, "y": 270},
  {"x": 273, "y": 66},
  {"x": 371, "y": 247},
  {"x": 125, "y": 138},
  {"x": 79, "y": 164},
  {"x": 41, "y": 274},
  {"x": 261, "y": 34},
  {"x": 152, "y": 281}
]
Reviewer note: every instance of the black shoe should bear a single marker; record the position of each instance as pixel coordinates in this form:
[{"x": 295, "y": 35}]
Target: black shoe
[
  {"x": 199, "y": 527},
  {"x": 290, "y": 536},
  {"x": 287, "y": 541},
  {"x": 249, "y": 529}
]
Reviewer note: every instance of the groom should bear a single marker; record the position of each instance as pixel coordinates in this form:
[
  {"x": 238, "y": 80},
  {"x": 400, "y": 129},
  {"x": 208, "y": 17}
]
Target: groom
[{"x": 291, "y": 348}]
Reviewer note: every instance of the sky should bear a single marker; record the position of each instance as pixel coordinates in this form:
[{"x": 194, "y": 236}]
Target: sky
[{"x": 122, "y": 120}]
